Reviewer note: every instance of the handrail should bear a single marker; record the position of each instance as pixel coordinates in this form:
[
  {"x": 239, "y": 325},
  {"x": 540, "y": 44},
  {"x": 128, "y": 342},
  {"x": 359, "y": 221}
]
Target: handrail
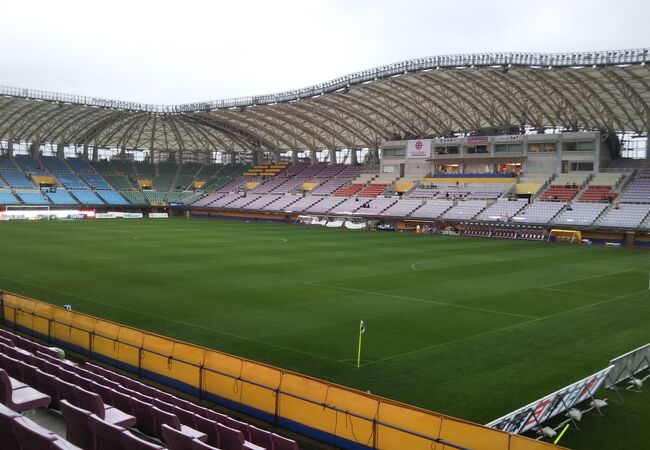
[{"x": 621, "y": 57}]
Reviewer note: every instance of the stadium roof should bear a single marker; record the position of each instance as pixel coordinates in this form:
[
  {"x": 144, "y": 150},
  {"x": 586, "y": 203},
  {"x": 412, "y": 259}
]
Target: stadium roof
[{"x": 435, "y": 96}]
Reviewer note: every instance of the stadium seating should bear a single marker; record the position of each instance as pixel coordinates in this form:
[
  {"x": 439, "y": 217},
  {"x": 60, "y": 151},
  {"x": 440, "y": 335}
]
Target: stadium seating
[
  {"x": 539, "y": 212},
  {"x": 348, "y": 191},
  {"x": 32, "y": 198},
  {"x": 112, "y": 198},
  {"x": 98, "y": 405},
  {"x": 625, "y": 215},
  {"x": 502, "y": 210},
  {"x": 86, "y": 197},
  {"x": 325, "y": 205},
  {"x": 305, "y": 203},
  {"x": 432, "y": 209},
  {"x": 376, "y": 206},
  {"x": 61, "y": 197},
  {"x": 402, "y": 208},
  {"x": 7, "y": 198},
  {"x": 580, "y": 214},
  {"x": 465, "y": 210},
  {"x": 261, "y": 202}
]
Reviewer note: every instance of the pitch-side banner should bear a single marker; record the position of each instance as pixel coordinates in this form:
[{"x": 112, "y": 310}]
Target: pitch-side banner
[
  {"x": 418, "y": 149},
  {"x": 523, "y": 419},
  {"x": 628, "y": 365}
]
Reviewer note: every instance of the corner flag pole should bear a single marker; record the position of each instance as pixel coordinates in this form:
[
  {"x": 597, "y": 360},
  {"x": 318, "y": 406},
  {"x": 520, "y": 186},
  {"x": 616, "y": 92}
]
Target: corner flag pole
[{"x": 362, "y": 329}]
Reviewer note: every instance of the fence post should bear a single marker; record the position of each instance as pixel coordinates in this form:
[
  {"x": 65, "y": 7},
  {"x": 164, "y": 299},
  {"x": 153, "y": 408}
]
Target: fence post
[
  {"x": 277, "y": 407},
  {"x": 201, "y": 382},
  {"x": 2, "y": 307},
  {"x": 91, "y": 341},
  {"x": 140, "y": 356}
]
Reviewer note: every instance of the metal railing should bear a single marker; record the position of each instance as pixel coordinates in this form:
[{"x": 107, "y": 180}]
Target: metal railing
[{"x": 502, "y": 59}]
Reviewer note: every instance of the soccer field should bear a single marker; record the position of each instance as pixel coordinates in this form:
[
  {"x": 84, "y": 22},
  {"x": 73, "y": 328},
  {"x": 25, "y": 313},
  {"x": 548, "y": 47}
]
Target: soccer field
[{"x": 469, "y": 327}]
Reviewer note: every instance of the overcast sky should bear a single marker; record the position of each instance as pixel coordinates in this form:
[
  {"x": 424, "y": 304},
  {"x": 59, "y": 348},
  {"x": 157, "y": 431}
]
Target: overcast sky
[{"x": 168, "y": 52}]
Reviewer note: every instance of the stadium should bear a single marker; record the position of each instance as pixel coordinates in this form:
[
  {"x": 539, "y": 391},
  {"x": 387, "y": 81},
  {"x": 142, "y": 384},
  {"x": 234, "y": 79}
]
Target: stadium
[{"x": 447, "y": 252}]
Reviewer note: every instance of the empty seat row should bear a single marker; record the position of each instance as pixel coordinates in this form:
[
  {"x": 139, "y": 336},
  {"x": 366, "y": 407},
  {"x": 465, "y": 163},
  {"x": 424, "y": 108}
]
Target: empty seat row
[{"x": 121, "y": 401}]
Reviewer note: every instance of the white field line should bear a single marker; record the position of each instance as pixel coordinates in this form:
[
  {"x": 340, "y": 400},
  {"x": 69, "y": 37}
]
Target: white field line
[
  {"x": 415, "y": 265},
  {"x": 584, "y": 278},
  {"x": 185, "y": 324},
  {"x": 419, "y": 300},
  {"x": 465, "y": 338}
]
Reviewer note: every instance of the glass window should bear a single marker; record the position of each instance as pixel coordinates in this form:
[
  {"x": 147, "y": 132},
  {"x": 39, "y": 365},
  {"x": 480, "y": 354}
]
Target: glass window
[
  {"x": 451, "y": 150},
  {"x": 544, "y": 147},
  {"x": 508, "y": 148},
  {"x": 393, "y": 152},
  {"x": 475, "y": 149},
  {"x": 388, "y": 169}
]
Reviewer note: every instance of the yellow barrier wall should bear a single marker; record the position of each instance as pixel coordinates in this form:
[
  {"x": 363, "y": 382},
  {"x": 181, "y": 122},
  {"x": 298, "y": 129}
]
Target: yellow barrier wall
[{"x": 336, "y": 414}]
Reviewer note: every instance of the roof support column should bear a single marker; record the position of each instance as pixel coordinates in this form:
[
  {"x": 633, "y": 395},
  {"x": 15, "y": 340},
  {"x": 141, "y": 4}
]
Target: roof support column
[
  {"x": 294, "y": 157},
  {"x": 647, "y": 145},
  {"x": 84, "y": 153},
  {"x": 332, "y": 156},
  {"x": 353, "y": 157},
  {"x": 255, "y": 154},
  {"x": 312, "y": 156},
  {"x": 60, "y": 151},
  {"x": 375, "y": 155},
  {"x": 95, "y": 153},
  {"x": 123, "y": 153},
  {"x": 34, "y": 148},
  {"x": 10, "y": 147}
]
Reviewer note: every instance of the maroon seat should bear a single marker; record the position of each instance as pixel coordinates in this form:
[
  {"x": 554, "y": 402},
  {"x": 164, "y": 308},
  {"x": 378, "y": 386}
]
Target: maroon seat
[
  {"x": 121, "y": 401},
  {"x": 20, "y": 399},
  {"x": 47, "y": 384},
  {"x": 198, "y": 445},
  {"x": 251, "y": 446},
  {"x": 216, "y": 416},
  {"x": 133, "y": 442},
  {"x": 282, "y": 443},
  {"x": 237, "y": 425},
  {"x": 78, "y": 430},
  {"x": 186, "y": 417},
  {"x": 161, "y": 418},
  {"x": 28, "y": 374},
  {"x": 143, "y": 414},
  {"x": 106, "y": 435},
  {"x": 93, "y": 402},
  {"x": 10, "y": 365},
  {"x": 260, "y": 437},
  {"x": 176, "y": 440},
  {"x": 7, "y": 437},
  {"x": 229, "y": 438},
  {"x": 160, "y": 404},
  {"x": 31, "y": 436},
  {"x": 67, "y": 391},
  {"x": 209, "y": 427}
]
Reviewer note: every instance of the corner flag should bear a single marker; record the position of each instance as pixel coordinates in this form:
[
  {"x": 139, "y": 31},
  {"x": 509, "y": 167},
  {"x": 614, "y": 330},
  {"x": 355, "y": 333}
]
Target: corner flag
[{"x": 362, "y": 329}]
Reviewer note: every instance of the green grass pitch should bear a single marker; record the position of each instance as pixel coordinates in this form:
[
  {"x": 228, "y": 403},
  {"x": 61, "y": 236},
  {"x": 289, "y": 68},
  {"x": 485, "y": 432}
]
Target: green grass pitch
[{"x": 473, "y": 328}]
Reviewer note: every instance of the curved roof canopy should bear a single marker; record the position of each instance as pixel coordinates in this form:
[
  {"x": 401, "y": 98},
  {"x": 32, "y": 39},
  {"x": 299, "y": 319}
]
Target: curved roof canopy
[{"x": 436, "y": 96}]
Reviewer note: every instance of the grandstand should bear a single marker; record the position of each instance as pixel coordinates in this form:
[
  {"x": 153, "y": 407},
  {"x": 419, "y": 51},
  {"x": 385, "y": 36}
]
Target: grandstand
[{"x": 482, "y": 154}]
